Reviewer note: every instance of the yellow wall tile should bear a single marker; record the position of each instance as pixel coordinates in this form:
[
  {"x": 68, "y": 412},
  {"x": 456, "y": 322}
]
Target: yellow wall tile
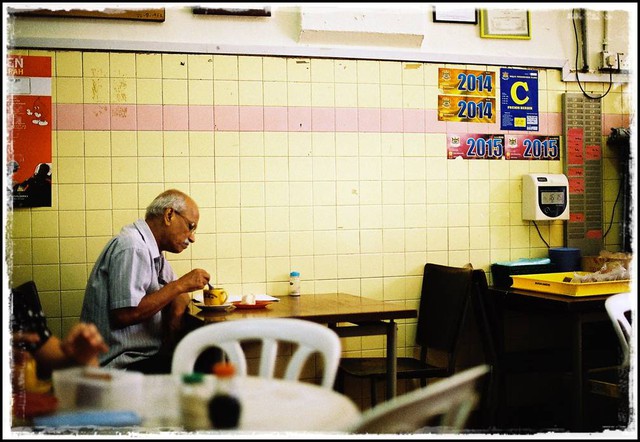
[
  {"x": 45, "y": 251},
  {"x": 174, "y": 66},
  {"x": 98, "y": 170},
  {"x": 225, "y": 67},
  {"x": 274, "y": 69},
  {"x": 251, "y": 143},
  {"x": 413, "y": 96},
  {"x": 275, "y": 93},
  {"x": 225, "y": 93},
  {"x": 73, "y": 277},
  {"x": 177, "y": 169},
  {"x": 250, "y": 68},
  {"x": 70, "y": 170},
  {"x": 96, "y": 91},
  {"x": 125, "y": 196},
  {"x": 45, "y": 224},
  {"x": 98, "y": 196},
  {"x": 124, "y": 143},
  {"x": 68, "y": 64},
  {"x": 202, "y": 169},
  {"x": 201, "y": 143},
  {"x": 95, "y": 64},
  {"x": 122, "y": 64},
  {"x": 71, "y": 197},
  {"x": 227, "y": 194},
  {"x": 200, "y": 92},
  {"x": 250, "y": 93},
  {"x": 345, "y": 71},
  {"x": 20, "y": 252},
  {"x": 176, "y": 144},
  {"x": 71, "y": 143},
  {"x": 73, "y": 250},
  {"x": 200, "y": 67},
  {"x": 346, "y": 95},
  {"x": 71, "y": 305},
  {"x": 19, "y": 223},
  {"x": 124, "y": 170},
  {"x": 175, "y": 91},
  {"x": 150, "y": 144},
  {"x": 69, "y": 90},
  {"x": 123, "y": 90},
  {"x": 412, "y": 73},
  {"x": 148, "y": 91},
  {"x": 149, "y": 65},
  {"x": 298, "y": 70},
  {"x": 97, "y": 143},
  {"x": 150, "y": 169},
  {"x": 322, "y": 70}
]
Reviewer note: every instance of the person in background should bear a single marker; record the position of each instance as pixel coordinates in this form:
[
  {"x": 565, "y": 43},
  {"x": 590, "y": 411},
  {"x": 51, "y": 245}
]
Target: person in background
[
  {"x": 31, "y": 336},
  {"x": 133, "y": 295},
  {"x": 36, "y": 352}
]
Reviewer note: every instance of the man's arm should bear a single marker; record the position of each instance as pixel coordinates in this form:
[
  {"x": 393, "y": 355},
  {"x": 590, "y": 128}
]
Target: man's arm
[{"x": 154, "y": 302}]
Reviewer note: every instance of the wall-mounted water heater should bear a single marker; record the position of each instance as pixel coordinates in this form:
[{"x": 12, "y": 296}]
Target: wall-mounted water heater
[{"x": 545, "y": 197}]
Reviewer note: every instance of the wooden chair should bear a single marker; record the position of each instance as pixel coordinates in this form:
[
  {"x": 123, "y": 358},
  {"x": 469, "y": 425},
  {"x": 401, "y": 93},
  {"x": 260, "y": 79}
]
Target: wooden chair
[
  {"x": 443, "y": 304},
  {"x": 440, "y": 407},
  {"x": 309, "y": 338}
]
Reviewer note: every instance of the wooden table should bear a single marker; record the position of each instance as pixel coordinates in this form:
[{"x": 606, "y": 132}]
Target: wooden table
[
  {"x": 348, "y": 315},
  {"x": 577, "y": 311}
]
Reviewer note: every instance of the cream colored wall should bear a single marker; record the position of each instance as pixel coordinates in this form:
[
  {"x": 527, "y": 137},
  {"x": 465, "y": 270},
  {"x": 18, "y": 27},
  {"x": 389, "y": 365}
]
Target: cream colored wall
[{"x": 354, "y": 212}]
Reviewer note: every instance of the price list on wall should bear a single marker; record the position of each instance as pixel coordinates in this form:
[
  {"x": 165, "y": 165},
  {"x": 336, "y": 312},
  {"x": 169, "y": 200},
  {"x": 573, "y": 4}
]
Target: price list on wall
[{"x": 583, "y": 168}]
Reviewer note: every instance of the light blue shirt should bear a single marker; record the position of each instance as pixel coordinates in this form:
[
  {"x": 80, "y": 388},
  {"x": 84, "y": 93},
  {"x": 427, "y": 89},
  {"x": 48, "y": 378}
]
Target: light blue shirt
[{"x": 129, "y": 267}]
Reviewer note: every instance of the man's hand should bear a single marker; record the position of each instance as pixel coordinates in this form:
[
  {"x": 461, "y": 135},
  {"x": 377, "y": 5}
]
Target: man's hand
[{"x": 196, "y": 279}]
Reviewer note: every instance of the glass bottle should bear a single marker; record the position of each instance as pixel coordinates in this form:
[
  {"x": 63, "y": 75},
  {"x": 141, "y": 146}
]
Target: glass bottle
[
  {"x": 194, "y": 397},
  {"x": 294, "y": 284},
  {"x": 224, "y": 406}
]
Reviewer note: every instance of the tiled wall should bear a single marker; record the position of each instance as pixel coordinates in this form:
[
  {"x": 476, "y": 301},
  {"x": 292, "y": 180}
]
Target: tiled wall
[{"x": 335, "y": 168}]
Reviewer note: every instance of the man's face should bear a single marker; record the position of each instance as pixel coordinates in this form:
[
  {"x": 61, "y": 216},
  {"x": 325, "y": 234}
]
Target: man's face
[{"x": 181, "y": 228}]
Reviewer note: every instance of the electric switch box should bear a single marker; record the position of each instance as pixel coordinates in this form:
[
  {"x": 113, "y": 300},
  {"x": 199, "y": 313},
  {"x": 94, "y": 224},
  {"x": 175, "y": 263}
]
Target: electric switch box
[{"x": 545, "y": 197}]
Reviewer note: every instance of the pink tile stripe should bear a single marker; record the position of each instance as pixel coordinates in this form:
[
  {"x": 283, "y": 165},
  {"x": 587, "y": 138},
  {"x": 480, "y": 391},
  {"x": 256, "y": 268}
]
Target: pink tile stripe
[{"x": 278, "y": 119}]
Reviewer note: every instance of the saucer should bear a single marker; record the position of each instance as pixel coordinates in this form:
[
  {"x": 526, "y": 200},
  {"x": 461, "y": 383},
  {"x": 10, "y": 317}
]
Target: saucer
[{"x": 213, "y": 308}]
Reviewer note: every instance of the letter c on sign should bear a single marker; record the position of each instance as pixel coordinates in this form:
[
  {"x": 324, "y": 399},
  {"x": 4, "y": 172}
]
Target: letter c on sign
[{"x": 514, "y": 92}]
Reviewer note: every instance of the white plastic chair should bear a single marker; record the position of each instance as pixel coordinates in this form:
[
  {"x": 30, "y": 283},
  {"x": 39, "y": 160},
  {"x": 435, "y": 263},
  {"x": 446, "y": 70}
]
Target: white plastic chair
[
  {"x": 308, "y": 336},
  {"x": 617, "y": 305},
  {"x": 441, "y": 407}
]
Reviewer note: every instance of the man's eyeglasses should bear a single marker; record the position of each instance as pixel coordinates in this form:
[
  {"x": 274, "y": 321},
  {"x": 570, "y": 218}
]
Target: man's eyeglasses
[{"x": 190, "y": 224}]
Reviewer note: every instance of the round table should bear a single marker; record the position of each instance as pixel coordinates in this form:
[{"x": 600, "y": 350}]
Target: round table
[{"x": 271, "y": 405}]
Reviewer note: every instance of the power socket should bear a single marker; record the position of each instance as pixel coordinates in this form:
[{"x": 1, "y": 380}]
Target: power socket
[
  {"x": 623, "y": 62},
  {"x": 609, "y": 62}
]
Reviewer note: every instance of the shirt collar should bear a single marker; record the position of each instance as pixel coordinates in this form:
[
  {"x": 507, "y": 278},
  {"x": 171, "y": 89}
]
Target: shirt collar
[{"x": 148, "y": 238}]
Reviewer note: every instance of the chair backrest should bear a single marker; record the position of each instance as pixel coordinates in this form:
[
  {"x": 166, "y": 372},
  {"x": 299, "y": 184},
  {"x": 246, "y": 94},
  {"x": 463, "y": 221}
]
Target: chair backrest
[
  {"x": 445, "y": 295},
  {"x": 618, "y": 306},
  {"x": 309, "y": 338},
  {"x": 440, "y": 407}
]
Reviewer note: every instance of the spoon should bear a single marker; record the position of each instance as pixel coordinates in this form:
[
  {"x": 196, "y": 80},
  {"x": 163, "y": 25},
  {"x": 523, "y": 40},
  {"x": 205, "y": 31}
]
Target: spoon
[{"x": 210, "y": 286}]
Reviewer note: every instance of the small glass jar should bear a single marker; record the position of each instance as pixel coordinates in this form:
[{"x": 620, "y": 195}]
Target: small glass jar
[
  {"x": 294, "y": 284},
  {"x": 194, "y": 398}
]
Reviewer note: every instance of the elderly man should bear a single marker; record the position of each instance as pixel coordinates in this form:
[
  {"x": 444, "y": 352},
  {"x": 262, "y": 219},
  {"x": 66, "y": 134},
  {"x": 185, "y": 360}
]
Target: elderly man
[{"x": 133, "y": 295}]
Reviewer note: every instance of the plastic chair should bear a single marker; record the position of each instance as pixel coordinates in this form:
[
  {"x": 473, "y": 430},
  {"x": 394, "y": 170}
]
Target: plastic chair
[
  {"x": 310, "y": 338},
  {"x": 440, "y": 407},
  {"x": 613, "y": 381},
  {"x": 443, "y": 304},
  {"x": 618, "y": 306}
]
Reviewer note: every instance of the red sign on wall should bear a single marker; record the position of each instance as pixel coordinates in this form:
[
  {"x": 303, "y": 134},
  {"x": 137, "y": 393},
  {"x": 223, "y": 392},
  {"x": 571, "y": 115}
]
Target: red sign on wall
[{"x": 29, "y": 121}]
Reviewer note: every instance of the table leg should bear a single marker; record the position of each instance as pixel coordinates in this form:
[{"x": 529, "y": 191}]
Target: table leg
[
  {"x": 392, "y": 361},
  {"x": 578, "y": 369}
]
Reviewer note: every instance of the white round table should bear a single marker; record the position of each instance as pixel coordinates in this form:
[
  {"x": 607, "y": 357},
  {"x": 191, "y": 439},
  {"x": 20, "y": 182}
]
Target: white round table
[{"x": 268, "y": 405}]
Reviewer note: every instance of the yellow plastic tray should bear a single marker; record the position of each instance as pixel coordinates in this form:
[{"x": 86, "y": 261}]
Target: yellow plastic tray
[{"x": 553, "y": 283}]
